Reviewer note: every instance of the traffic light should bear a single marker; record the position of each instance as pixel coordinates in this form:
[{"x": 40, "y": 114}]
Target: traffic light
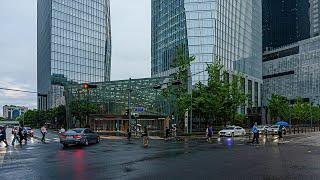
[{"x": 89, "y": 86}]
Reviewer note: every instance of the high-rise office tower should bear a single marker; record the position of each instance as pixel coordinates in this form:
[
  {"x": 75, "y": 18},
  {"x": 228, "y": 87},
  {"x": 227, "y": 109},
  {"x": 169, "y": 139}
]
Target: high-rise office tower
[
  {"x": 74, "y": 46},
  {"x": 230, "y": 30},
  {"x": 314, "y": 17},
  {"x": 284, "y": 22}
]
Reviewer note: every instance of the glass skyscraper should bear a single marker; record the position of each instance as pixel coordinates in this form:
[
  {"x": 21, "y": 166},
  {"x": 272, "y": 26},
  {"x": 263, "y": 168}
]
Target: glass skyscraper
[
  {"x": 74, "y": 46},
  {"x": 229, "y": 30},
  {"x": 285, "y": 22}
]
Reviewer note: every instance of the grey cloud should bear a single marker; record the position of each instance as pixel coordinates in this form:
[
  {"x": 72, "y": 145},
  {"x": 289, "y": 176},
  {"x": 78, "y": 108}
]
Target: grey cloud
[{"x": 131, "y": 56}]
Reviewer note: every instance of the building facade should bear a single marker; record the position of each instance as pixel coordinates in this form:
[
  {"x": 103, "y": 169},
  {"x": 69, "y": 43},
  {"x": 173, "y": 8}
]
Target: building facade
[
  {"x": 114, "y": 98},
  {"x": 285, "y": 22},
  {"x": 314, "y": 18},
  {"x": 12, "y": 112},
  {"x": 293, "y": 71},
  {"x": 74, "y": 46},
  {"x": 230, "y": 31}
]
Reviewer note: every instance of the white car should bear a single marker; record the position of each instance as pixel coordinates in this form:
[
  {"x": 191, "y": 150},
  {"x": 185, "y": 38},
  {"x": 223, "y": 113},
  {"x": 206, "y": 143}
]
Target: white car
[
  {"x": 232, "y": 131},
  {"x": 274, "y": 129},
  {"x": 262, "y": 129}
]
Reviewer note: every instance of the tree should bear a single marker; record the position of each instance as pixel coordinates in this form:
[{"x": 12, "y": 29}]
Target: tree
[
  {"x": 179, "y": 92},
  {"x": 30, "y": 118},
  {"x": 301, "y": 111},
  {"x": 278, "y": 107},
  {"x": 218, "y": 100},
  {"x": 223, "y": 97},
  {"x": 2, "y": 119},
  {"x": 81, "y": 109}
]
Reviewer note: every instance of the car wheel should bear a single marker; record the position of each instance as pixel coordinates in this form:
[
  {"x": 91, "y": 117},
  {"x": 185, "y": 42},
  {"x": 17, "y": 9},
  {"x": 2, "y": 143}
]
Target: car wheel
[{"x": 65, "y": 145}]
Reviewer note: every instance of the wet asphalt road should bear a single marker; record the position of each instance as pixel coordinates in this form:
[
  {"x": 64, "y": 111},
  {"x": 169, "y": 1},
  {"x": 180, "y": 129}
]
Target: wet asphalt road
[{"x": 224, "y": 158}]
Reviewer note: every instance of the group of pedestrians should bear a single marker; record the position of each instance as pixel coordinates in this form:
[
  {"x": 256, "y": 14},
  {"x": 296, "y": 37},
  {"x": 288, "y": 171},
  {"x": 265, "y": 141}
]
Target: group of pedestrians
[{"x": 20, "y": 134}]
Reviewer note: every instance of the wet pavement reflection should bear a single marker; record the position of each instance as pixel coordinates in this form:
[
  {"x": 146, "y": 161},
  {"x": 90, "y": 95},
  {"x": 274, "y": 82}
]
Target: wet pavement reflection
[{"x": 190, "y": 159}]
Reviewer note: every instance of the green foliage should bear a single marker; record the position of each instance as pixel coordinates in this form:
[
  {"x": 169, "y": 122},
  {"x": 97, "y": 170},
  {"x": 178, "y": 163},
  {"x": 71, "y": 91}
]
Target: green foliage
[
  {"x": 301, "y": 111},
  {"x": 218, "y": 100},
  {"x": 2, "y": 119},
  {"x": 81, "y": 109},
  {"x": 278, "y": 107},
  {"x": 179, "y": 93},
  {"x": 36, "y": 118},
  {"x": 223, "y": 97},
  {"x": 240, "y": 120}
]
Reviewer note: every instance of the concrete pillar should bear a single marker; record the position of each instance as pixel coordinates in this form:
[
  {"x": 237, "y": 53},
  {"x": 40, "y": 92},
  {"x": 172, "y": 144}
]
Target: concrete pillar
[
  {"x": 259, "y": 95},
  {"x": 253, "y": 94},
  {"x": 246, "y": 90}
]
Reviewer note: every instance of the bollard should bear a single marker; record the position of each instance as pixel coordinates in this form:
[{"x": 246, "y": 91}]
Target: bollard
[
  {"x": 294, "y": 130},
  {"x": 298, "y": 130}
]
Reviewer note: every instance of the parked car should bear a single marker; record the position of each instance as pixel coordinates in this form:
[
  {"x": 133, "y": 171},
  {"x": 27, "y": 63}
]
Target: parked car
[
  {"x": 232, "y": 131},
  {"x": 29, "y": 131},
  {"x": 262, "y": 129},
  {"x": 81, "y": 136},
  {"x": 274, "y": 129}
]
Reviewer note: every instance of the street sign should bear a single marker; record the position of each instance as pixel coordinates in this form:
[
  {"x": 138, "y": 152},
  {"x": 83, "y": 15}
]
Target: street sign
[{"x": 139, "y": 109}]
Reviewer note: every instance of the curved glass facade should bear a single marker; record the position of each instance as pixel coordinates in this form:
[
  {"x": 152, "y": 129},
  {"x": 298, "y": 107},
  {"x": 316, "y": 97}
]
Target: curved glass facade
[
  {"x": 74, "y": 44},
  {"x": 210, "y": 29}
]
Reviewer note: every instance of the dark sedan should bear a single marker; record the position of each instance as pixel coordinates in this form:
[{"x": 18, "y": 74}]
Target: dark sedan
[{"x": 82, "y": 136}]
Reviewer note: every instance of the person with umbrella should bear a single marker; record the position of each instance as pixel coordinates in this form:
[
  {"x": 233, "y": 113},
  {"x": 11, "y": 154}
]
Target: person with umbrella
[{"x": 281, "y": 125}]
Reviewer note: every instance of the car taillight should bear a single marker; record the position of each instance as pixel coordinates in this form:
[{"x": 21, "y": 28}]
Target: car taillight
[
  {"x": 62, "y": 136},
  {"x": 77, "y": 136}
]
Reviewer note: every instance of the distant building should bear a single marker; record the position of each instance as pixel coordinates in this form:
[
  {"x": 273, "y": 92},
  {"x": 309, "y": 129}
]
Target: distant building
[
  {"x": 74, "y": 44},
  {"x": 293, "y": 71},
  {"x": 285, "y": 22},
  {"x": 12, "y": 112}
]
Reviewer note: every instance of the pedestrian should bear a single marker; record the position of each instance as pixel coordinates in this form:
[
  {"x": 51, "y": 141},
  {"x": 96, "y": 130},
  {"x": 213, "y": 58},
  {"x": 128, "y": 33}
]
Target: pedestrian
[
  {"x": 255, "y": 133},
  {"x": 174, "y": 130},
  {"x": 43, "y": 132},
  {"x": 3, "y": 135},
  {"x": 25, "y": 134},
  {"x": 15, "y": 135},
  {"x": 129, "y": 133},
  {"x": 145, "y": 137},
  {"x": 209, "y": 133},
  {"x": 280, "y": 133},
  {"x": 20, "y": 134},
  {"x": 167, "y": 132}
]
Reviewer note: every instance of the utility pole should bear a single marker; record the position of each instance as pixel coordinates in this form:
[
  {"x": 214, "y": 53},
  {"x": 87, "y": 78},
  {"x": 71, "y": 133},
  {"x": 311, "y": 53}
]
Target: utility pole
[
  {"x": 311, "y": 114},
  {"x": 191, "y": 123},
  {"x": 129, "y": 101}
]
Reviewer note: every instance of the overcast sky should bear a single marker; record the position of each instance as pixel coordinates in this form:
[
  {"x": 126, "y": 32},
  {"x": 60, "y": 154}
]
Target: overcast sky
[{"x": 130, "y": 22}]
